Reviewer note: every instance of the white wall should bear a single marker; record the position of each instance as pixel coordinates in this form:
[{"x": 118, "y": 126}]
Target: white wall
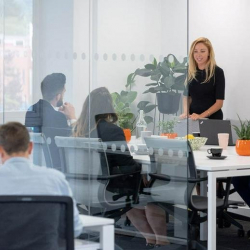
[
  {"x": 226, "y": 24},
  {"x": 143, "y": 28}
]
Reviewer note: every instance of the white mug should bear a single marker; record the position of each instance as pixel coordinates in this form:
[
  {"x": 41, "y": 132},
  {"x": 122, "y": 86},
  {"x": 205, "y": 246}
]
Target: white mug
[{"x": 145, "y": 134}]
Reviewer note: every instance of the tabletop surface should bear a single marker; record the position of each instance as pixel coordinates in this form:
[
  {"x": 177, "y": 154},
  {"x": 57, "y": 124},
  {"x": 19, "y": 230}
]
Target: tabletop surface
[
  {"x": 233, "y": 161},
  {"x": 91, "y": 221}
]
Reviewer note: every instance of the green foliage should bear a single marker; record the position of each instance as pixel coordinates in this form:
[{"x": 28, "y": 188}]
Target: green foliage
[
  {"x": 147, "y": 107},
  {"x": 167, "y": 126},
  {"x": 243, "y": 132},
  {"x": 122, "y": 104},
  {"x": 166, "y": 75},
  {"x": 130, "y": 81}
]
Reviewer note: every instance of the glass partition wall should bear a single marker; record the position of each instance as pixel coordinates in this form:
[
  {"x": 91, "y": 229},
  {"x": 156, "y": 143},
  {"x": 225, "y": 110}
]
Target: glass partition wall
[{"x": 112, "y": 75}]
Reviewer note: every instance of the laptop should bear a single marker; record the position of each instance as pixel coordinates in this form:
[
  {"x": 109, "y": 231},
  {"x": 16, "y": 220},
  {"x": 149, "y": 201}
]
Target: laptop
[
  {"x": 186, "y": 126},
  {"x": 210, "y": 128}
]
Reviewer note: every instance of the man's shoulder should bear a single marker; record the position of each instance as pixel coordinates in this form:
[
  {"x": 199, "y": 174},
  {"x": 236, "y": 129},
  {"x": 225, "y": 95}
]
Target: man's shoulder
[
  {"x": 49, "y": 172},
  {"x": 44, "y": 115}
]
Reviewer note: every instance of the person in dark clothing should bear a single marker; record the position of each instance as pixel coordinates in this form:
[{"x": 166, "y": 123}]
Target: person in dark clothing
[
  {"x": 242, "y": 186},
  {"x": 204, "y": 93},
  {"x": 50, "y": 115},
  {"x": 97, "y": 120}
]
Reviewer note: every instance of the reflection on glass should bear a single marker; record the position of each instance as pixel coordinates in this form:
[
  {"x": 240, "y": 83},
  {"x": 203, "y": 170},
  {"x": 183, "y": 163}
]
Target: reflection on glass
[{"x": 17, "y": 42}]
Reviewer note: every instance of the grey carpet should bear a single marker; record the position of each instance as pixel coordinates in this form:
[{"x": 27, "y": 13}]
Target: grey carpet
[{"x": 227, "y": 239}]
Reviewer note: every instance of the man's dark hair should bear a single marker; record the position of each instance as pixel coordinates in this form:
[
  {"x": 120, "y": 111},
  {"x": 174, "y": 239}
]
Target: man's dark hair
[
  {"x": 14, "y": 137},
  {"x": 52, "y": 85}
]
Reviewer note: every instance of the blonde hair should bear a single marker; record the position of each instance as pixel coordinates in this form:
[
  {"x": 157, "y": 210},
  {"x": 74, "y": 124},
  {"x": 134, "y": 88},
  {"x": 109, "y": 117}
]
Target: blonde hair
[{"x": 210, "y": 66}]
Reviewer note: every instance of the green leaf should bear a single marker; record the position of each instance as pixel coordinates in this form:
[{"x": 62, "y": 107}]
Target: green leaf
[
  {"x": 153, "y": 90},
  {"x": 143, "y": 72},
  {"x": 124, "y": 93},
  {"x": 155, "y": 62},
  {"x": 243, "y": 132},
  {"x": 115, "y": 97},
  {"x": 164, "y": 68},
  {"x": 171, "y": 64},
  {"x": 149, "y": 108},
  {"x": 131, "y": 96},
  {"x": 180, "y": 69},
  {"x": 142, "y": 104},
  {"x": 179, "y": 82},
  {"x": 148, "y": 119},
  {"x": 150, "y": 66},
  {"x": 120, "y": 105},
  {"x": 130, "y": 79},
  {"x": 152, "y": 84},
  {"x": 156, "y": 75},
  {"x": 169, "y": 81}
]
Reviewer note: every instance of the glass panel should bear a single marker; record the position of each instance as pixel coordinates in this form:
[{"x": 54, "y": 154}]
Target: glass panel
[
  {"x": 111, "y": 75},
  {"x": 16, "y": 40},
  {"x": 140, "y": 61}
]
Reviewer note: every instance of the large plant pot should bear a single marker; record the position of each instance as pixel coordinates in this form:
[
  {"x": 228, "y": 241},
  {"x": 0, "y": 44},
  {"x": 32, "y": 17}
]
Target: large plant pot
[
  {"x": 127, "y": 133},
  {"x": 169, "y": 135},
  {"x": 243, "y": 147},
  {"x": 168, "y": 103}
]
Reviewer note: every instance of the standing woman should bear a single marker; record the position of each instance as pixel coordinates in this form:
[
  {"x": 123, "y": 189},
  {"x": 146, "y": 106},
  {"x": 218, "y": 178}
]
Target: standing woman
[{"x": 205, "y": 88}]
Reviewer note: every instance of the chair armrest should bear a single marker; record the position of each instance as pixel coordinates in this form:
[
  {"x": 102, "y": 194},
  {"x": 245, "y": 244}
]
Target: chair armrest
[
  {"x": 177, "y": 179},
  {"x": 98, "y": 177}
]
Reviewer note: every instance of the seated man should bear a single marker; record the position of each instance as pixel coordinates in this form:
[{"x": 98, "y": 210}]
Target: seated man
[
  {"x": 45, "y": 117},
  {"x": 18, "y": 176}
]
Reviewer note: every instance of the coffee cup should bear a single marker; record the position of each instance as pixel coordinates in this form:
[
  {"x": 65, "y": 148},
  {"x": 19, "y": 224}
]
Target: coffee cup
[
  {"x": 223, "y": 139},
  {"x": 216, "y": 152}
]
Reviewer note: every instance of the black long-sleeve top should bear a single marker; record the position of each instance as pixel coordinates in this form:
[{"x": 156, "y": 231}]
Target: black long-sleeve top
[{"x": 204, "y": 95}]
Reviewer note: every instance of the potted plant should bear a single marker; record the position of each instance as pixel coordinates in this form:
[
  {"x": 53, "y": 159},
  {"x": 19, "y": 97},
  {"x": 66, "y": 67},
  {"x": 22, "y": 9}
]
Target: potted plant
[
  {"x": 122, "y": 103},
  {"x": 167, "y": 128},
  {"x": 168, "y": 77},
  {"x": 243, "y": 143}
]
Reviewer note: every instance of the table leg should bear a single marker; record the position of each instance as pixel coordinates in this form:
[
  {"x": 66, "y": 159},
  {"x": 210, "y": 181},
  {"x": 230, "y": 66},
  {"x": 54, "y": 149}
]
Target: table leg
[
  {"x": 107, "y": 237},
  {"x": 211, "y": 244},
  {"x": 203, "y": 226}
]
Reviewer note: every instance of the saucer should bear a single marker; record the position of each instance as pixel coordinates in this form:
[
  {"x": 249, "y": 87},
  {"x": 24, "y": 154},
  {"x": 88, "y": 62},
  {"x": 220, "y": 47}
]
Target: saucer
[{"x": 216, "y": 157}]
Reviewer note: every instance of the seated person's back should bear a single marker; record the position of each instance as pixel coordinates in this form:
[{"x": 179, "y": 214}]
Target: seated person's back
[
  {"x": 18, "y": 176},
  {"x": 101, "y": 120}
]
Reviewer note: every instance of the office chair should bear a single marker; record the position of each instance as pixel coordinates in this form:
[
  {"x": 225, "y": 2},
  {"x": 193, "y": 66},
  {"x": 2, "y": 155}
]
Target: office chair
[
  {"x": 173, "y": 182},
  {"x": 41, "y": 152},
  {"x": 36, "y": 222},
  {"x": 84, "y": 162},
  {"x": 226, "y": 218}
]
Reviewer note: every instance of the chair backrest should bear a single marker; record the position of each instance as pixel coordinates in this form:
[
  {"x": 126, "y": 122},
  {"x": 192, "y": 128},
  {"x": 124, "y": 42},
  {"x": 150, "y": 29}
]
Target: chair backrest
[
  {"x": 36, "y": 222},
  {"x": 41, "y": 152},
  {"x": 173, "y": 160},
  {"x": 83, "y": 160}
]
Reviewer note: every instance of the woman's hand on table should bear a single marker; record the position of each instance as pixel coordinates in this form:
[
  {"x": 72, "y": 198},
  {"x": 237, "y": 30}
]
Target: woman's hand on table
[
  {"x": 184, "y": 116},
  {"x": 195, "y": 116}
]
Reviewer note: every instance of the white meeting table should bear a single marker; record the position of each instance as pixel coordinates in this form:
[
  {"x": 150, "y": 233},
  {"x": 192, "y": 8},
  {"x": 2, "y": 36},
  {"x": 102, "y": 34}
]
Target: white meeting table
[
  {"x": 102, "y": 225},
  {"x": 233, "y": 165}
]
